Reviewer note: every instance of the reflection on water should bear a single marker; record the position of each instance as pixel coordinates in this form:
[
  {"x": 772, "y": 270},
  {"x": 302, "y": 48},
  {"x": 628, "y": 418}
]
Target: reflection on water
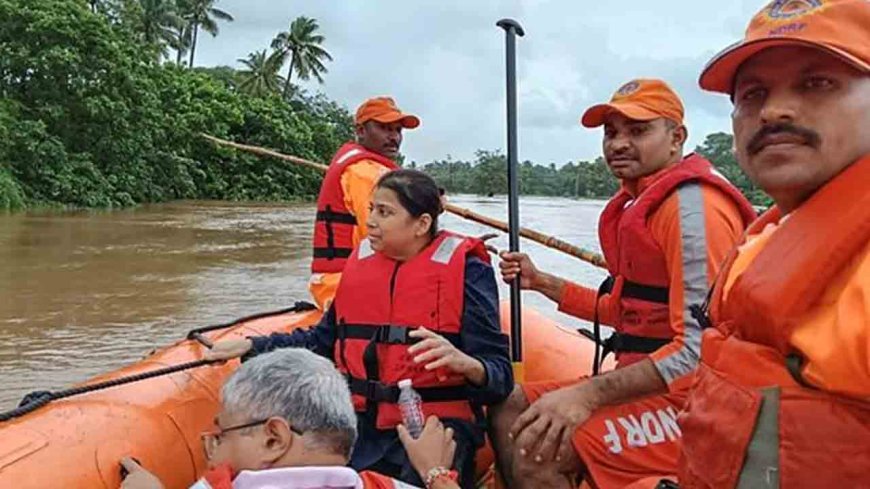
[{"x": 85, "y": 292}]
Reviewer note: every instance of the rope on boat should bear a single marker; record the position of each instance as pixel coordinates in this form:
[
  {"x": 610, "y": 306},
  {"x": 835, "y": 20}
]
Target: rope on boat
[
  {"x": 300, "y": 306},
  {"x": 38, "y": 399}
]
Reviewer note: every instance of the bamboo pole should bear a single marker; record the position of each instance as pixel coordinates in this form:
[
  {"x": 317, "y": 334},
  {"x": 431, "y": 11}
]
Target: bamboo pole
[
  {"x": 267, "y": 152},
  {"x": 530, "y": 234}
]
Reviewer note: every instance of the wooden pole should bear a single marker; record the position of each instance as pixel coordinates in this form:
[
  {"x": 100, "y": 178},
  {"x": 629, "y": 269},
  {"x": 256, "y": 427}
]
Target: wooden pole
[
  {"x": 267, "y": 152},
  {"x": 530, "y": 234}
]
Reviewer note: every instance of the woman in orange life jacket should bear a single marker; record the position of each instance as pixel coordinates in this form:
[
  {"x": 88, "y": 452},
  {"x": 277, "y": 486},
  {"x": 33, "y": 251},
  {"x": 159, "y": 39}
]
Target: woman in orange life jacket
[{"x": 413, "y": 303}]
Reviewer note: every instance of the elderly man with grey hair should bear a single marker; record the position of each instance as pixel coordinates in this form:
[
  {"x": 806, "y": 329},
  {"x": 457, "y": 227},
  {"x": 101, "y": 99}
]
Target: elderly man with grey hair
[{"x": 287, "y": 421}]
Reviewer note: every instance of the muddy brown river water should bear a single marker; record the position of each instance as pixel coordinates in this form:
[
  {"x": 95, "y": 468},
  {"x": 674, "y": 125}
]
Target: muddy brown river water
[{"x": 85, "y": 292}]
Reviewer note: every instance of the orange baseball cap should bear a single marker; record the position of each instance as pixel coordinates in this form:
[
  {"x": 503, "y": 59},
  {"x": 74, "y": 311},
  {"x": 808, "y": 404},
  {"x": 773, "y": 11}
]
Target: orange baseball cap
[
  {"x": 839, "y": 27},
  {"x": 641, "y": 100},
  {"x": 383, "y": 109}
]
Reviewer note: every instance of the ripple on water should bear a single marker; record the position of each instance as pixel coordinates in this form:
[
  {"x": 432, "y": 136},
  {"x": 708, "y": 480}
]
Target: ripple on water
[{"x": 87, "y": 292}]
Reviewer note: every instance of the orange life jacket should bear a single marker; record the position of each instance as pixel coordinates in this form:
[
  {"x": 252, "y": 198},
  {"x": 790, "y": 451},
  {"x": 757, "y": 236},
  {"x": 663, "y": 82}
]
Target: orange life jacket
[
  {"x": 750, "y": 418},
  {"x": 334, "y": 224},
  {"x": 638, "y": 271},
  {"x": 378, "y": 302}
]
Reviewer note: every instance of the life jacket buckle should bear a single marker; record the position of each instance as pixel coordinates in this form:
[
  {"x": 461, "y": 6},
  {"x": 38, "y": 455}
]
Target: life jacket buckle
[
  {"x": 612, "y": 344},
  {"x": 699, "y": 312},
  {"x": 379, "y": 392},
  {"x": 392, "y": 335}
]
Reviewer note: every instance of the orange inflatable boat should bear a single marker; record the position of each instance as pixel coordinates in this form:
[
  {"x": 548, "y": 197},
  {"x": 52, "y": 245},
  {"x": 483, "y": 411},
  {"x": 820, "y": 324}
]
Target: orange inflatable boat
[{"x": 77, "y": 442}]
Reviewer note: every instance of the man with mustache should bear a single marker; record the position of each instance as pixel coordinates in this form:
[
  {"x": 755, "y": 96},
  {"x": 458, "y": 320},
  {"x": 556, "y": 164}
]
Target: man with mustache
[
  {"x": 782, "y": 396},
  {"x": 343, "y": 202},
  {"x": 663, "y": 235}
]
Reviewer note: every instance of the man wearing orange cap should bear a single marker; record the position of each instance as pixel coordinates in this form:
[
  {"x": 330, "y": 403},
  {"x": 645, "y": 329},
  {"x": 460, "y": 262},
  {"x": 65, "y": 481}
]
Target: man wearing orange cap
[
  {"x": 782, "y": 396},
  {"x": 343, "y": 202},
  {"x": 663, "y": 235}
]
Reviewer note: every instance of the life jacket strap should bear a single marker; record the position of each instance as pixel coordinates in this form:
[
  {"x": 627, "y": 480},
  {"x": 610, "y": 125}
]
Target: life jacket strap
[
  {"x": 621, "y": 342},
  {"x": 649, "y": 293},
  {"x": 378, "y": 392},
  {"x": 332, "y": 253},
  {"x": 625, "y": 342},
  {"x": 385, "y": 334},
  {"x": 329, "y": 216}
]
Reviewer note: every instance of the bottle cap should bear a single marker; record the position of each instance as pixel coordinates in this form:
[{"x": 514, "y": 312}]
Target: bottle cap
[{"x": 405, "y": 383}]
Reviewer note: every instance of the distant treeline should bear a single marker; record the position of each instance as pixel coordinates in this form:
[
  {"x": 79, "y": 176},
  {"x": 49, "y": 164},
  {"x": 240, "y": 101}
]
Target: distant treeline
[{"x": 486, "y": 174}]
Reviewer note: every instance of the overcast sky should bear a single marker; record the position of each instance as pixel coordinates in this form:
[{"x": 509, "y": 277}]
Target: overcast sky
[{"x": 444, "y": 61}]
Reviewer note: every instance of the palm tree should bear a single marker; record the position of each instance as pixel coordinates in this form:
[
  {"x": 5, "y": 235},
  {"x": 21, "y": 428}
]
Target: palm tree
[
  {"x": 182, "y": 42},
  {"x": 302, "y": 45},
  {"x": 182, "y": 32},
  {"x": 261, "y": 77},
  {"x": 202, "y": 13},
  {"x": 95, "y": 5},
  {"x": 160, "y": 21}
]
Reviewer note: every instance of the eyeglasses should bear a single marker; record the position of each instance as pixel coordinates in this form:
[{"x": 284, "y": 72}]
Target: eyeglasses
[{"x": 212, "y": 439}]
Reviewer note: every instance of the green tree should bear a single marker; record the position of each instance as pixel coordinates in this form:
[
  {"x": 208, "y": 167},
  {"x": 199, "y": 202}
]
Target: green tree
[
  {"x": 718, "y": 148},
  {"x": 202, "y": 14},
  {"x": 183, "y": 31},
  {"x": 260, "y": 76},
  {"x": 226, "y": 75},
  {"x": 88, "y": 119},
  {"x": 302, "y": 45},
  {"x": 160, "y": 21},
  {"x": 487, "y": 174}
]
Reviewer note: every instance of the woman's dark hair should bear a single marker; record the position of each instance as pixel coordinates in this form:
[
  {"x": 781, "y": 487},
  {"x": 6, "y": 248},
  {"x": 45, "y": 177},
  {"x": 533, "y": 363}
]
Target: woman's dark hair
[{"x": 417, "y": 193}]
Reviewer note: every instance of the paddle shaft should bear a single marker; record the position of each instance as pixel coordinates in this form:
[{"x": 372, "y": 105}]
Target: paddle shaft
[
  {"x": 530, "y": 234},
  {"x": 512, "y": 30}
]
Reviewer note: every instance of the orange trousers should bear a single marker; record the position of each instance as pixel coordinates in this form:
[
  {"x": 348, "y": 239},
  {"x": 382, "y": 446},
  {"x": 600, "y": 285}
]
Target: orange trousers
[{"x": 621, "y": 445}]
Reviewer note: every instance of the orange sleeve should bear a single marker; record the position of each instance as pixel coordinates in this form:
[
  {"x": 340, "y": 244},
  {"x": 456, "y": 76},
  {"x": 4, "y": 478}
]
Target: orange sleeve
[
  {"x": 579, "y": 301},
  {"x": 357, "y": 182},
  {"x": 696, "y": 227}
]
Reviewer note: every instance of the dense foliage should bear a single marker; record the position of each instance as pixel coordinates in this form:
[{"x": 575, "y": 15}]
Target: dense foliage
[{"x": 90, "y": 117}]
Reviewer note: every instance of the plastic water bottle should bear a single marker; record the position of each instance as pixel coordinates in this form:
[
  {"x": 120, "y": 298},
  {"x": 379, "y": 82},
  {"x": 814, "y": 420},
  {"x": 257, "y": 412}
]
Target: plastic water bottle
[{"x": 411, "y": 406}]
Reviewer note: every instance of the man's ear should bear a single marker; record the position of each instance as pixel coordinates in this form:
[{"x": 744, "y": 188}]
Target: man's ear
[
  {"x": 278, "y": 439},
  {"x": 679, "y": 136},
  {"x": 683, "y": 132}
]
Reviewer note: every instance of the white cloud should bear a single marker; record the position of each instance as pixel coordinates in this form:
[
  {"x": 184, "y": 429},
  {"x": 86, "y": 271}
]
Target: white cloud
[{"x": 444, "y": 61}]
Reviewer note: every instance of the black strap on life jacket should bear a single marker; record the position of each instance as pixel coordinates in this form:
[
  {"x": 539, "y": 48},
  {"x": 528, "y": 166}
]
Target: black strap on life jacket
[
  {"x": 619, "y": 342},
  {"x": 373, "y": 374},
  {"x": 371, "y": 387},
  {"x": 332, "y": 253},
  {"x": 386, "y": 334},
  {"x": 328, "y": 217},
  {"x": 378, "y": 392},
  {"x": 605, "y": 288},
  {"x": 649, "y": 293},
  {"x": 701, "y": 312}
]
